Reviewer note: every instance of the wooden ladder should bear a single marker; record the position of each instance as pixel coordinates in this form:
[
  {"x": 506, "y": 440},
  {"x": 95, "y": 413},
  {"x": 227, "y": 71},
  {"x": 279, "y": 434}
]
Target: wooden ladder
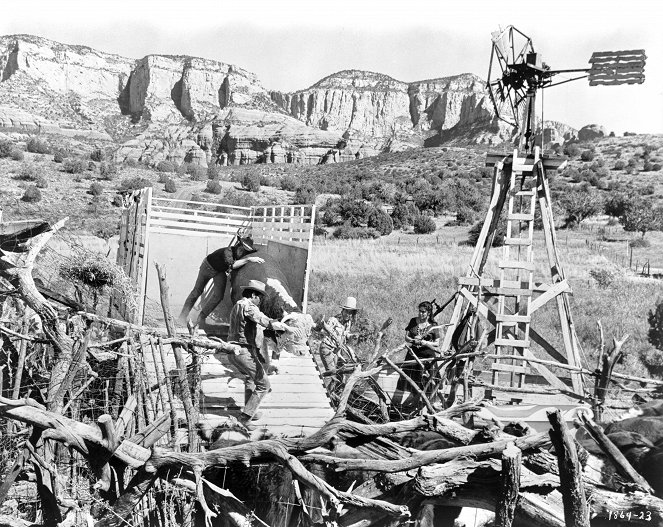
[
  {"x": 508, "y": 302},
  {"x": 512, "y": 320}
]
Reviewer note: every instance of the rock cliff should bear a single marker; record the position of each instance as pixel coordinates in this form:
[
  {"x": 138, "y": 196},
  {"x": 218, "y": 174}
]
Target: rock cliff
[
  {"x": 179, "y": 107},
  {"x": 370, "y": 105}
]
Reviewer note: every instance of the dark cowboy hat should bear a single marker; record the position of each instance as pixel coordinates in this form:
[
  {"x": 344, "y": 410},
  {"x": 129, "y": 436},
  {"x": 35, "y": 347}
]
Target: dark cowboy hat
[
  {"x": 246, "y": 243},
  {"x": 255, "y": 285}
]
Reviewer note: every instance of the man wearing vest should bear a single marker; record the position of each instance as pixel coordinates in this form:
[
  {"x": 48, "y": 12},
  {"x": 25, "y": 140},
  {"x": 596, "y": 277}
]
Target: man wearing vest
[{"x": 244, "y": 318}]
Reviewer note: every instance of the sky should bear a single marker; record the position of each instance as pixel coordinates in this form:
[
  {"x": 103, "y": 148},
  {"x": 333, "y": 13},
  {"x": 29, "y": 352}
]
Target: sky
[{"x": 291, "y": 44}]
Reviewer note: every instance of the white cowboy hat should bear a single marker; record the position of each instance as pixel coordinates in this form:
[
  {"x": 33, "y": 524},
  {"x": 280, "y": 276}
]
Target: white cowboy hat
[
  {"x": 255, "y": 285},
  {"x": 350, "y": 304}
]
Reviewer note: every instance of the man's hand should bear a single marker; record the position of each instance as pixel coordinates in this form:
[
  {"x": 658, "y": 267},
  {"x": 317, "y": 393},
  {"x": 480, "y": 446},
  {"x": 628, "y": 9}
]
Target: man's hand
[
  {"x": 280, "y": 326},
  {"x": 256, "y": 259}
]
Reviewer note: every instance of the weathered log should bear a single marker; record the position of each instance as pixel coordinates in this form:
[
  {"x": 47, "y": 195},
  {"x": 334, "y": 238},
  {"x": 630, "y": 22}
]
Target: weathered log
[
  {"x": 576, "y": 511},
  {"x": 509, "y": 490},
  {"x": 420, "y": 459},
  {"x": 127, "y": 502},
  {"x": 190, "y": 410}
]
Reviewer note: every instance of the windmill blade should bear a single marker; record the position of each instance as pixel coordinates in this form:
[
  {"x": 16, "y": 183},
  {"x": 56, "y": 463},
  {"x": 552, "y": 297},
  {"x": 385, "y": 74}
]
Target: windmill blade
[{"x": 612, "y": 68}]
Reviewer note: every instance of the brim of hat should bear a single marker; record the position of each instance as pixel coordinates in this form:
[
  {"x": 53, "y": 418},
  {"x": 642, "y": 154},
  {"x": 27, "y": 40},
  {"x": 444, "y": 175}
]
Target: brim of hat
[
  {"x": 250, "y": 288},
  {"x": 349, "y": 308}
]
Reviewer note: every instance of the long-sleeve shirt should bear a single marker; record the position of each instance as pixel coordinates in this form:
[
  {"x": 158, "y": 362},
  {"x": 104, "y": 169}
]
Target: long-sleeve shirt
[{"x": 244, "y": 317}]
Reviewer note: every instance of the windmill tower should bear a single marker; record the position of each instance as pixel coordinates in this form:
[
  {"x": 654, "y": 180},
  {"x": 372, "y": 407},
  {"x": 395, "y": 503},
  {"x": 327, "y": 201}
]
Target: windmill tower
[{"x": 520, "y": 187}]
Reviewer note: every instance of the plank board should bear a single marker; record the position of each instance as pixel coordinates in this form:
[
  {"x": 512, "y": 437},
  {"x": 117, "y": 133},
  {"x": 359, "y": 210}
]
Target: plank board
[{"x": 298, "y": 403}]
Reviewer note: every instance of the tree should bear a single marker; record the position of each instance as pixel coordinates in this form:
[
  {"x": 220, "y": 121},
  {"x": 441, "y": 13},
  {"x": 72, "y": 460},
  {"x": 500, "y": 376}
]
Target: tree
[
  {"x": 641, "y": 216},
  {"x": 580, "y": 204},
  {"x": 616, "y": 204}
]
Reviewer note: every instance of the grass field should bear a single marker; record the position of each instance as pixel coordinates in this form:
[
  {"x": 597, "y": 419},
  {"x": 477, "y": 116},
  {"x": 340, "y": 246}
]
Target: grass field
[{"x": 391, "y": 275}]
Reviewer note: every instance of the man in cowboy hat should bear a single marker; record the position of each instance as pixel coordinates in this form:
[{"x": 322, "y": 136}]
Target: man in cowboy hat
[
  {"x": 337, "y": 331},
  {"x": 217, "y": 266},
  {"x": 244, "y": 319}
]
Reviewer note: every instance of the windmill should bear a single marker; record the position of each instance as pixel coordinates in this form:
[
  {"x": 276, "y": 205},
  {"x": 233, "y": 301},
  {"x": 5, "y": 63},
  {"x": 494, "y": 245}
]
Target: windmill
[
  {"x": 509, "y": 302},
  {"x": 516, "y": 73}
]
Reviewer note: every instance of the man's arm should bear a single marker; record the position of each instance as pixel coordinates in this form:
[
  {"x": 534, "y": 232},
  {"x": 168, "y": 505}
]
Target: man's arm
[
  {"x": 243, "y": 261},
  {"x": 253, "y": 313}
]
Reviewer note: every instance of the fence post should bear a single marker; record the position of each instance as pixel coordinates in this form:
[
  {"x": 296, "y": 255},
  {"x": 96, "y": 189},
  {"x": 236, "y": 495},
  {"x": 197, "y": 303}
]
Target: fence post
[{"x": 630, "y": 257}]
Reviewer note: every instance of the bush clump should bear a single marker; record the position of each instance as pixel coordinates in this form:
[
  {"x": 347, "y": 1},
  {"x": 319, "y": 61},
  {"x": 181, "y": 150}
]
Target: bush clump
[
  {"x": 603, "y": 277},
  {"x": 41, "y": 182},
  {"x": 587, "y": 155},
  {"x": 571, "y": 150},
  {"x": 620, "y": 164},
  {"x": 196, "y": 172},
  {"x": 135, "y": 183},
  {"x": 38, "y": 146},
  {"x": 32, "y": 194},
  {"x": 165, "y": 166},
  {"x": 6, "y": 148},
  {"x": 213, "y": 187},
  {"x": 424, "y": 224},
  {"x": 98, "y": 155},
  {"x": 131, "y": 162},
  {"x": 17, "y": 154},
  {"x": 28, "y": 172},
  {"x": 96, "y": 189},
  {"x": 170, "y": 186},
  {"x": 346, "y": 232},
  {"x": 380, "y": 221},
  {"x": 59, "y": 156},
  {"x": 213, "y": 172},
  {"x": 251, "y": 182},
  {"x": 290, "y": 183},
  {"x": 73, "y": 166},
  {"x": 639, "y": 243},
  {"x": 305, "y": 194},
  {"x": 107, "y": 170}
]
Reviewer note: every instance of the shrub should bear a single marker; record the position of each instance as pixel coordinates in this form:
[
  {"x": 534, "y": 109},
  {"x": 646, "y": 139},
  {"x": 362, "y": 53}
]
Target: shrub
[
  {"x": 91, "y": 166},
  {"x": 73, "y": 166},
  {"x": 213, "y": 172},
  {"x": 28, "y": 172},
  {"x": 135, "y": 183},
  {"x": 604, "y": 278},
  {"x": 170, "y": 186},
  {"x": 181, "y": 169},
  {"x": 289, "y": 183},
  {"x": 196, "y": 172},
  {"x": 6, "y": 148},
  {"x": 38, "y": 146},
  {"x": 656, "y": 167},
  {"x": 305, "y": 194},
  {"x": 587, "y": 155},
  {"x": 107, "y": 170},
  {"x": 251, "y": 182},
  {"x": 639, "y": 243},
  {"x": 41, "y": 182},
  {"x": 59, "y": 156},
  {"x": 380, "y": 221},
  {"x": 346, "y": 232},
  {"x": 32, "y": 194},
  {"x": 96, "y": 189},
  {"x": 571, "y": 149},
  {"x": 424, "y": 224},
  {"x": 648, "y": 167},
  {"x": 98, "y": 154},
  {"x": 17, "y": 154},
  {"x": 213, "y": 187},
  {"x": 131, "y": 162},
  {"x": 620, "y": 164},
  {"x": 403, "y": 215}
]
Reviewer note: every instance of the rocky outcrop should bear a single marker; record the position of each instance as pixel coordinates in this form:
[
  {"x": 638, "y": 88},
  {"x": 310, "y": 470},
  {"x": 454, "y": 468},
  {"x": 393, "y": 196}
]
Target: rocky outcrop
[
  {"x": 555, "y": 132},
  {"x": 591, "y": 132},
  {"x": 187, "y": 108},
  {"x": 364, "y": 104}
]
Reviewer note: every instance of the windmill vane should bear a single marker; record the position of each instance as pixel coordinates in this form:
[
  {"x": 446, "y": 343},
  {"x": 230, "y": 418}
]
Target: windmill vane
[{"x": 516, "y": 73}]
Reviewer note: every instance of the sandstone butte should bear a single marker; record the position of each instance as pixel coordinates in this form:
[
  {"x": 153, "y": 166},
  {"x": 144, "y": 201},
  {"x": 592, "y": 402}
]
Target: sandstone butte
[{"x": 199, "y": 110}]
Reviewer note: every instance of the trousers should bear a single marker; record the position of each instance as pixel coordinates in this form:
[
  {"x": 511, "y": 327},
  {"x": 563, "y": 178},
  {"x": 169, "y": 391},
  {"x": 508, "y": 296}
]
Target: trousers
[
  {"x": 257, "y": 381},
  {"x": 205, "y": 274}
]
